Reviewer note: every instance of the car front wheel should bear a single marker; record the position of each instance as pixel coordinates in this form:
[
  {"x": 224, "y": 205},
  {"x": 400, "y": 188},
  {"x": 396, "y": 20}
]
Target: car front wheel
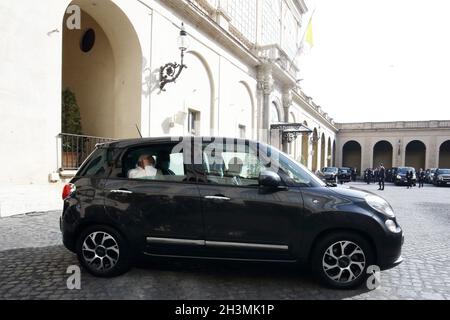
[
  {"x": 103, "y": 251},
  {"x": 341, "y": 260}
]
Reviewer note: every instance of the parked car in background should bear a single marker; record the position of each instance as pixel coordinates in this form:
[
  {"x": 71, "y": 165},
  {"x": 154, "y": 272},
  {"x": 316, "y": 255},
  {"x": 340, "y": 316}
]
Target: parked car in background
[
  {"x": 330, "y": 174},
  {"x": 391, "y": 174},
  {"x": 344, "y": 175},
  {"x": 441, "y": 177},
  {"x": 429, "y": 177},
  {"x": 227, "y": 201},
  {"x": 401, "y": 178}
]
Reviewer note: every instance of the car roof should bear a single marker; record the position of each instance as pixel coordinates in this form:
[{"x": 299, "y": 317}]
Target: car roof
[{"x": 126, "y": 143}]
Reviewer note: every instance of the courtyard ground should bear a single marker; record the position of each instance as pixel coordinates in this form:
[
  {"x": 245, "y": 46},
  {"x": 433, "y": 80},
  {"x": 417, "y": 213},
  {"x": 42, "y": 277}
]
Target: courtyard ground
[{"x": 33, "y": 263}]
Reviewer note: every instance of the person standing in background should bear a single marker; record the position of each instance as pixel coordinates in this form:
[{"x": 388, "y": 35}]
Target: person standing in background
[
  {"x": 381, "y": 177},
  {"x": 409, "y": 176},
  {"x": 421, "y": 177}
]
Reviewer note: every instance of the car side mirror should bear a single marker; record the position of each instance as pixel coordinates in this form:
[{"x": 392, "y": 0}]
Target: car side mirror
[{"x": 270, "y": 179}]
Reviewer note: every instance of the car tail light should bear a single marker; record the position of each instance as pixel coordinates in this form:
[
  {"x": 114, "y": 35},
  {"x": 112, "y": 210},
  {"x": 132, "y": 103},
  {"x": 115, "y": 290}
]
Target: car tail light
[{"x": 68, "y": 190}]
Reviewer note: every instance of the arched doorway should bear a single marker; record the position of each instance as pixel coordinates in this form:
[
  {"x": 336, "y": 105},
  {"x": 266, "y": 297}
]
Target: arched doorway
[
  {"x": 315, "y": 138},
  {"x": 329, "y": 157},
  {"x": 415, "y": 154},
  {"x": 351, "y": 155},
  {"x": 322, "y": 151},
  {"x": 382, "y": 153},
  {"x": 101, "y": 66},
  {"x": 305, "y": 147},
  {"x": 444, "y": 155}
]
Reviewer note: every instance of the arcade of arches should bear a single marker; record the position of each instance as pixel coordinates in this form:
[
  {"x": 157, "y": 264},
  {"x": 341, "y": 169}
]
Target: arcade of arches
[{"x": 418, "y": 144}]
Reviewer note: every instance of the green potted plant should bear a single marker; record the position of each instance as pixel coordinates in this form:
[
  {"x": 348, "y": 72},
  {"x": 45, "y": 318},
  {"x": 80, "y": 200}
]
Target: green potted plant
[{"x": 71, "y": 124}]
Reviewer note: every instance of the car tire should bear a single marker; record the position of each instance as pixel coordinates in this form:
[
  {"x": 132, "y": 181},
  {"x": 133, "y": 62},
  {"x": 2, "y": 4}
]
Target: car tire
[
  {"x": 356, "y": 257},
  {"x": 103, "y": 251}
]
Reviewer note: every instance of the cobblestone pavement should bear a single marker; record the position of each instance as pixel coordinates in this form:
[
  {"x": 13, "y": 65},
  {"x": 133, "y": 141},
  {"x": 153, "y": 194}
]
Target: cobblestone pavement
[{"x": 33, "y": 263}]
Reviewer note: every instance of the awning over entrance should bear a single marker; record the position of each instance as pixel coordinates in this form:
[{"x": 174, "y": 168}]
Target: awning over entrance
[{"x": 290, "y": 131}]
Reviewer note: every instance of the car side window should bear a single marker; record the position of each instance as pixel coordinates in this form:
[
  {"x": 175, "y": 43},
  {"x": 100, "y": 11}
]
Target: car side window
[
  {"x": 234, "y": 166},
  {"x": 152, "y": 162}
]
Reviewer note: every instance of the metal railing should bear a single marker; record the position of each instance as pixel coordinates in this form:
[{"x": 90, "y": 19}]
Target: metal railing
[{"x": 76, "y": 148}]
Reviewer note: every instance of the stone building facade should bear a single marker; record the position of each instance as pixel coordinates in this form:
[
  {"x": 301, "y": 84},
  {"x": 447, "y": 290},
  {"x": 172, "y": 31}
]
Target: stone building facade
[
  {"x": 419, "y": 144},
  {"x": 241, "y": 77}
]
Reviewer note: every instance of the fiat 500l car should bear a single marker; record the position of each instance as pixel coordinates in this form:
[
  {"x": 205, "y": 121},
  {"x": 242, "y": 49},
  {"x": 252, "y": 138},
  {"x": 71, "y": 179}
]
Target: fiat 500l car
[{"x": 216, "y": 198}]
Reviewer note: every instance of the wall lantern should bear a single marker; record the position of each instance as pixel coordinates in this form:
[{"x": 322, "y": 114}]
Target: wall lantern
[{"x": 171, "y": 71}]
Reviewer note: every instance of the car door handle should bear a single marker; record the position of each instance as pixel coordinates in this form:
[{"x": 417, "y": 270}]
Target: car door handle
[
  {"x": 122, "y": 191},
  {"x": 218, "y": 197}
]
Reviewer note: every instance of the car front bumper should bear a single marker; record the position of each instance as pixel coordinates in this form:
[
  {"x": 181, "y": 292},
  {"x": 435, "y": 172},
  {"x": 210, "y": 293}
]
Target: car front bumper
[{"x": 389, "y": 253}]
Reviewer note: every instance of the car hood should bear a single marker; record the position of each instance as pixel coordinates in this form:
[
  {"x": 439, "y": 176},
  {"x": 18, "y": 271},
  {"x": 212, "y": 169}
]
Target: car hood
[{"x": 351, "y": 192}]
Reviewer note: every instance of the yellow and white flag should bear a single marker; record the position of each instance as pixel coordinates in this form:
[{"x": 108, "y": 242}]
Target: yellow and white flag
[{"x": 309, "y": 34}]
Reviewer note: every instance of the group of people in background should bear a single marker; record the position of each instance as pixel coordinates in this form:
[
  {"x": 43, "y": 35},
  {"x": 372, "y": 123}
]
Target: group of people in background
[{"x": 379, "y": 175}]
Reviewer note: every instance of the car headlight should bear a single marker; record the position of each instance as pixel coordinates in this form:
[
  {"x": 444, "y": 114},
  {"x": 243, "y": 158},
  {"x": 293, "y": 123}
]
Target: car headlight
[
  {"x": 398, "y": 176},
  {"x": 392, "y": 226},
  {"x": 441, "y": 178},
  {"x": 380, "y": 205}
]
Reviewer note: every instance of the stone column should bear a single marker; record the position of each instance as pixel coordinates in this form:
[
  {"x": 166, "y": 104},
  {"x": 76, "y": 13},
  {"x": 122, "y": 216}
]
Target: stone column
[{"x": 265, "y": 88}]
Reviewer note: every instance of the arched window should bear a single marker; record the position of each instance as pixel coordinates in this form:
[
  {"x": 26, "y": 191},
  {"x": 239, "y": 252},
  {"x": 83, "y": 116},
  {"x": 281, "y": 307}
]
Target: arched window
[{"x": 274, "y": 115}]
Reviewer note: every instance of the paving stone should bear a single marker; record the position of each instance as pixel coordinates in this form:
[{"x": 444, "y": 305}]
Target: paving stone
[{"x": 33, "y": 263}]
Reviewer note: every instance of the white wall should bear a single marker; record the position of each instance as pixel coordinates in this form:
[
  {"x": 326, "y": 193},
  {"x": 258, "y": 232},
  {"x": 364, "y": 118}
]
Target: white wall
[{"x": 30, "y": 88}]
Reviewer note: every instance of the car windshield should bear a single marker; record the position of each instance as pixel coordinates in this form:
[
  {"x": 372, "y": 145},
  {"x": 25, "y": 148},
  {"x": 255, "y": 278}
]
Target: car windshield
[
  {"x": 444, "y": 171},
  {"x": 345, "y": 170},
  {"x": 296, "y": 171},
  {"x": 330, "y": 170},
  {"x": 405, "y": 170}
]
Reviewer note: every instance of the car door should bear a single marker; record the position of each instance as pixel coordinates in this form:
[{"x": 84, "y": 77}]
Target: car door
[
  {"x": 163, "y": 210},
  {"x": 241, "y": 219}
]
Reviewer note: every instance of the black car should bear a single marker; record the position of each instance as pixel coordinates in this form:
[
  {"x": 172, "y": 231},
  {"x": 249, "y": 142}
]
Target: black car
[
  {"x": 391, "y": 174},
  {"x": 441, "y": 177},
  {"x": 345, "y": 175},
  {"x": 330, "y": 173},
  {"x": 215, "y": 198},
  {"x": 401, "y": 178}
]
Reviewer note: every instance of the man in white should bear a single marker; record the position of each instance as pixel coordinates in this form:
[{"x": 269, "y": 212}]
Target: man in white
[{"x": 145, "y": 168}]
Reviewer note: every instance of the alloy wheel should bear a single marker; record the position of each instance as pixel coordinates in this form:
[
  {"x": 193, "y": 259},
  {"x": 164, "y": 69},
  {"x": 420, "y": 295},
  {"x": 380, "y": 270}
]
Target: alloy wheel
[
  {"x": 100, "y": 251},
  {"x": 343, "y": 262}
]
